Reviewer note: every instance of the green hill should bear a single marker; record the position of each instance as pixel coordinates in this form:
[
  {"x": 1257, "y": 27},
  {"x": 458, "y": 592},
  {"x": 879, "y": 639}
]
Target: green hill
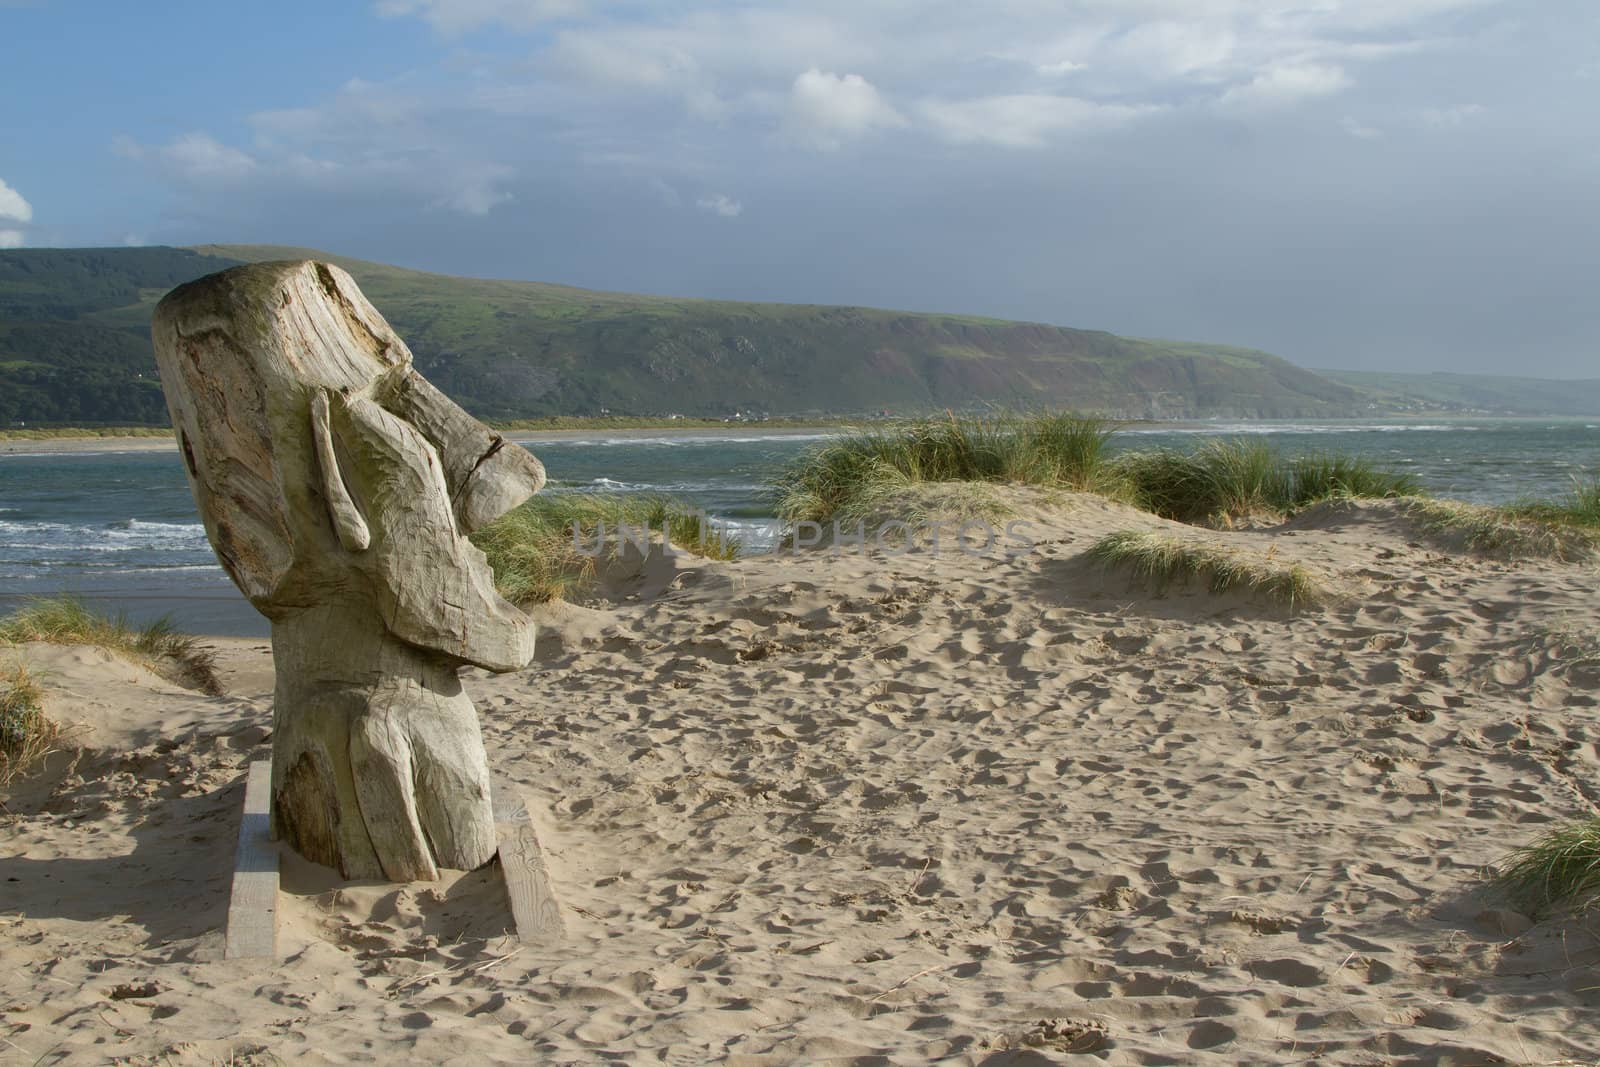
[
  {"x": 1490, "y": 394},
  {"x": 74, "y": 348}
]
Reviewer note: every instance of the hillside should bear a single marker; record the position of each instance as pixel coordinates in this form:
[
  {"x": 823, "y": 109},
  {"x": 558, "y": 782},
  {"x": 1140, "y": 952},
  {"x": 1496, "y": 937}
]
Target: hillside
[
  {"x": 74, "y": 347},
  {"x": 1491, "y": 394}
]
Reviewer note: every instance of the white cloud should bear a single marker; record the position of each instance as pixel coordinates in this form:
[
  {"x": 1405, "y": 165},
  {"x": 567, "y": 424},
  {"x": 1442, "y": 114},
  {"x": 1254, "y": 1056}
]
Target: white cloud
[
  {"x": 1057, "y": 68},
  {"x": 1451, "y": 117},
  {"x": 462, "y": 16},
  {"x": 641, "y": 63},
  {"x": 1358, "y": 129},
  {"x": 13, "y": 206},
  {"x": 1177, "y": 48},
  {"x": 826, "y": 109},
  {"x": 478, "y": 191},
  {"x": 199, "y": 156},
  {"x": 10, "y": 238},
  {"x": 1285, "y": 84},
  {"x": 721, "y": 204},
  {"x": 378, "y": 160},
  {"x": 663, "y": 191},
  {"x": 1024, "y": 120},
  {"x": 623, "y": 61}
]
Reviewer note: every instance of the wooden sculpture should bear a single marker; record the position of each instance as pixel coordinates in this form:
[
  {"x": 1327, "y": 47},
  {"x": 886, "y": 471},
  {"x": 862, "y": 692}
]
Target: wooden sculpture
[{"x": 337, "y": 487}]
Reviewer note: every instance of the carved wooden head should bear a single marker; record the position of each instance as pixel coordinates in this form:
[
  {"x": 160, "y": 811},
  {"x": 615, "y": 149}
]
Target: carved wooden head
[{"x": 324, "y": 466}]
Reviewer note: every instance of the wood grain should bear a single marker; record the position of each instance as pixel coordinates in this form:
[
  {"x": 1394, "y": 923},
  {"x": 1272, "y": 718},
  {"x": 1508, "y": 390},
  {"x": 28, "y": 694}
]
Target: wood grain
[
  {"x": 337, "y": 487},
  {"x": 253, "y": 907},
  {"x": 533, "y": 902}
]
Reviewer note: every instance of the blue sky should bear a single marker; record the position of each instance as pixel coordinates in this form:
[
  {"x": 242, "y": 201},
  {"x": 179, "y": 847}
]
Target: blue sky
[{"x": 1379, "y": 184}]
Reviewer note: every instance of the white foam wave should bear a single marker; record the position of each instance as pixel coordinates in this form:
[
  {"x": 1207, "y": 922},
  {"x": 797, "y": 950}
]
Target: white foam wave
[
  {"x": 1268, "y": 429},
  {"x": 696, "y": 439},
  {"x": 127, "y": 535}
]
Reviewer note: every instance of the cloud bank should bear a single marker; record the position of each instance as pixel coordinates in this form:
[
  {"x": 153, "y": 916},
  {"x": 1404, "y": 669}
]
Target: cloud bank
[{"x": 1345, "y": 182}]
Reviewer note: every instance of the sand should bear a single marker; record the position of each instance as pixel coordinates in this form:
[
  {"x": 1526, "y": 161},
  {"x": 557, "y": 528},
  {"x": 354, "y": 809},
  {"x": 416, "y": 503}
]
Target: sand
[
  {"x": 49, "y": 446},
  {"x": 63, "y": 445},
  {"x": 879, "y": 809}
]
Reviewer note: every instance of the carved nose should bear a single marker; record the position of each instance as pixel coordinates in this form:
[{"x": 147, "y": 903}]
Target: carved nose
[{"x": 487, "y": 475}]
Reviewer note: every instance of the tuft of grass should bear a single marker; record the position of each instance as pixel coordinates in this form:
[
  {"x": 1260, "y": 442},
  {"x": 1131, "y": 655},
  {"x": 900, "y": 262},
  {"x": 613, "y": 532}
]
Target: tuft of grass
[
  {"x": 1320, "y": 476},
  {"x": 546, "y": 548},
  {"x": 1564, "y": 529},
  {"x": 1560, "y": 869},
  {"x": 1513, "y": 531},
  {"x": 1224, "y": 482},
  {"x": 1161, "y": 560},
  {"x": 1578, "y": 510},
  {"x": 66, "y": 620},
  {"x": 1583, "y": 502},
  {"x": 1063, "y": 450},
  {"x": 26, "y": 736},
  {"x": 851, "y": 478}
]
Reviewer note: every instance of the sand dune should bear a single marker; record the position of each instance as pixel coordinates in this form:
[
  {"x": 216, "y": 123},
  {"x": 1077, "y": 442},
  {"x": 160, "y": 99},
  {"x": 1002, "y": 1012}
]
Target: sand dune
[{"x": 870, "y": 808}]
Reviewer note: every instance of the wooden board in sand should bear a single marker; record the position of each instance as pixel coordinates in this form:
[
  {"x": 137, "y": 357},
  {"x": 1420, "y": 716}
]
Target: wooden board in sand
[
  {"x": 253, "y": 907},
  {"x": 533, "y": 903}
]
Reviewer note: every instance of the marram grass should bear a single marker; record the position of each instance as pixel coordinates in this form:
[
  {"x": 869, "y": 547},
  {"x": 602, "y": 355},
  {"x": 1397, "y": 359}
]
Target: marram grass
[
  {"x": 537, "y": 557},
  {"x": 1160, "y": 561},
  {"x": 851, "y": 478},
  {"x": 1221, "y": 483},
  {"x": 1529, "y": 529},
  {"x": 1560, "y": 869},
  {"x": 67, "y": 620},
  {"x": 26, "y": 736}
]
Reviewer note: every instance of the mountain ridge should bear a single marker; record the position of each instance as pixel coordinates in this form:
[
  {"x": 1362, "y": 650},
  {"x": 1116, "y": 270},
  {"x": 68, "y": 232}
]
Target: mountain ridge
[{"x": 74, "y": 348}]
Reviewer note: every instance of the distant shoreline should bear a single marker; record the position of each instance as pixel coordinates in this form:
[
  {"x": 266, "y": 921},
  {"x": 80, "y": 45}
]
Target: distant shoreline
[
  {"x": 140, "y": 439},
  {"x": 570, "y": 430}
]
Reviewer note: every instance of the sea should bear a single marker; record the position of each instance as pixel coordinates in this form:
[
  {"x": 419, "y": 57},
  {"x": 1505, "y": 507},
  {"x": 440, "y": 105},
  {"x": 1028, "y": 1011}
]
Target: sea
[{"x": 119, "y": 528}]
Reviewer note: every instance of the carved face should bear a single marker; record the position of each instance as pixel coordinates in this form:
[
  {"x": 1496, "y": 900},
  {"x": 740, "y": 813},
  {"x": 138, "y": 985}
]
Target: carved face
[{"x": 324, "y": 466}]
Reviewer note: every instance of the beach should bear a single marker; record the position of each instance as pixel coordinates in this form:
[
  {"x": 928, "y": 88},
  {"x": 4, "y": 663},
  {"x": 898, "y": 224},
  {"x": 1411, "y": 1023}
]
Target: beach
[{"x": 900, "y": 807}]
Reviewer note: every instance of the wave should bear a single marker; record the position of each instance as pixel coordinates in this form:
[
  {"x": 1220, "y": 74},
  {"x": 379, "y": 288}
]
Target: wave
[
  {"x": 754, "y": 537},
  {"x": 76, "y": 453},
  {"x": 613, "y": 485},
  {"x": 123, "y": 535},
  {"x": 687, "y": 439},
  {"x": 1269, "y": 429}
]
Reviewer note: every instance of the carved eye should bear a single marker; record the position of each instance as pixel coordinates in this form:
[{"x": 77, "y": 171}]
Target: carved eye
[{"x": 188, "y": 454}]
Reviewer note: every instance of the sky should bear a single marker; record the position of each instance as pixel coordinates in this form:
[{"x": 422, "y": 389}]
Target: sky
[{"x": 1408, "y": 185}]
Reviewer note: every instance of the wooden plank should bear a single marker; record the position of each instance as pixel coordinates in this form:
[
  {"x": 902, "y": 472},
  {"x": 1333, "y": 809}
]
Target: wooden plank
[
  {"x": 533, "y": 903},
  {"x": 253, "y": 908}
]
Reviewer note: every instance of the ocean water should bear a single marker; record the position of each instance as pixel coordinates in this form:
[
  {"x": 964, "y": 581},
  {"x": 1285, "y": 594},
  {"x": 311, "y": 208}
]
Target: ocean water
[{"x": 120, "y": 529}]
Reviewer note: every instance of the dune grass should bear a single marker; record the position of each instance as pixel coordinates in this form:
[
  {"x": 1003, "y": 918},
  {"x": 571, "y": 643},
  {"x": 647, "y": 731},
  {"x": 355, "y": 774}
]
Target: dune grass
[
  {"x": 1522, "y": 530},
  {"x": 1222, "y": 483},
  {"x": 26, "y": 736},
  {"x": 1567, "y": 528},
  {"x": 66, "y": 620},
  {"x": 1560, "y": 869},
  {"x": 849, "y": 478},
  {"x": 537, "y": 556},
  {"x": 1160, "y": 561},
  {"x": 874, "y": 476},
  {"x": 1578, "y": 511}
]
